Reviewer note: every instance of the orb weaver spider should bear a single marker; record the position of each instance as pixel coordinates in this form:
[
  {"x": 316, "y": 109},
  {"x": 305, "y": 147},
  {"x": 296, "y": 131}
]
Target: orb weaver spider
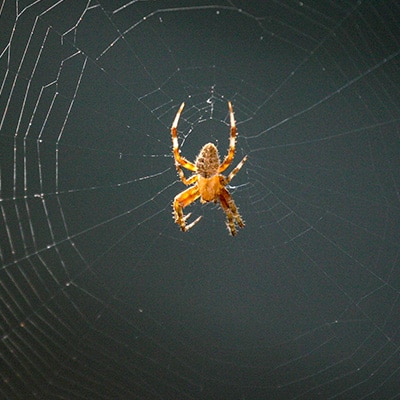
[{"x": 208, "y": 182}]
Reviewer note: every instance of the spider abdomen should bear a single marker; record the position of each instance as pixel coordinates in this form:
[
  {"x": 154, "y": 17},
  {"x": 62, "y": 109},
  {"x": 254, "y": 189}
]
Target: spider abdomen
[{"x": 207, "y": 162}]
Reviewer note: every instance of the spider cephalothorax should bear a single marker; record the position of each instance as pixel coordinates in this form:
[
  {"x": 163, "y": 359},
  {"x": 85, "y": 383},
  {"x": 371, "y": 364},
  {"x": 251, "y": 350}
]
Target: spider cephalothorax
[{"x": 208, "y": 182}]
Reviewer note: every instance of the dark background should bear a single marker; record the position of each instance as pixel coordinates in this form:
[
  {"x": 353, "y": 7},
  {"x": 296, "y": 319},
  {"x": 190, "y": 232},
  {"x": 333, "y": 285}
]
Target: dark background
[{"x": 103, "y": 297}]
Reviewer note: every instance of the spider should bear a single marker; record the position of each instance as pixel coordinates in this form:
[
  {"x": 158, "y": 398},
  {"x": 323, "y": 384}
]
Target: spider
[{"x": 208, "y": 182}]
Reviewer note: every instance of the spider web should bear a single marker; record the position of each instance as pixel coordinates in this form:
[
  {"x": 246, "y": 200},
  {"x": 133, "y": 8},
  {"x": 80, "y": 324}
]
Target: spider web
[{"x": 103, "y": 297}]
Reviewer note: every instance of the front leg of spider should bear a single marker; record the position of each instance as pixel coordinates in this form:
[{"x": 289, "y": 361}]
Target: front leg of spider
[
  {"x": 208, "y": 184},
  {"x": 181, "y": 201}
]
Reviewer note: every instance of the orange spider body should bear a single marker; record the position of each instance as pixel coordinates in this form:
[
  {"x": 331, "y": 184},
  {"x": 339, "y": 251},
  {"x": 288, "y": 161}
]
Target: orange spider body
[
  {"x": 209, "y": 188},
  {"x": 208, "y": 182}
]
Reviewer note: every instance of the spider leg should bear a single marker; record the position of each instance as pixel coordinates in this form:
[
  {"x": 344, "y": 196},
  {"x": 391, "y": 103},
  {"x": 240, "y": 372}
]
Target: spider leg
[
  {"x": 231, "y": 211},
  {"x": 186, "y": 181},
  {"x": 236, "y": 170},
  {"x": 179, "y": 160},
  {"x": 181, "y": 201},
  {"x": 232, "y": 142}
]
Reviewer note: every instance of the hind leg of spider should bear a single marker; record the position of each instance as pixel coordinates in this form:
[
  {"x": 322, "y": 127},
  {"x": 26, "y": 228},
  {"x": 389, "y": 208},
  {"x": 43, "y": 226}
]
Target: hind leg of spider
[
  {"x": 181, "y": 201},
  {"x": 175, "y": 144},
  {"x": 232, "y": 141}
]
